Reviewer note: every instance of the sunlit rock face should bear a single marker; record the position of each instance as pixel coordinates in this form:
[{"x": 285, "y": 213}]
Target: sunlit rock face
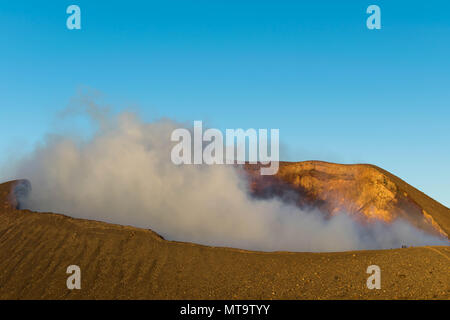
[{"x": 365, "y": 192}]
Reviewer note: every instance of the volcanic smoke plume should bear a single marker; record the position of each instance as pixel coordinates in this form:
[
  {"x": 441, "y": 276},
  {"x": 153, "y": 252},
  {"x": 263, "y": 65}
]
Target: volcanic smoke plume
[{"x": 123, "y": 174}]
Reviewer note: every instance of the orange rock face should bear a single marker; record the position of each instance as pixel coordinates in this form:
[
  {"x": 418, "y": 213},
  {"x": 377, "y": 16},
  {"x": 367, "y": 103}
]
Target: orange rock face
[{"x": 365, "y": 192}]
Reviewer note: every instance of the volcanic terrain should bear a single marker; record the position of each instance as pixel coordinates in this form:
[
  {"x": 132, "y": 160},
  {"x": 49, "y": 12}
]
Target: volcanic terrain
[{"x": 121, "y": 262}]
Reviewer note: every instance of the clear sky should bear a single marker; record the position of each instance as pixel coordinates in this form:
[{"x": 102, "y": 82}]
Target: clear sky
[{"x": 336, "y": 90}]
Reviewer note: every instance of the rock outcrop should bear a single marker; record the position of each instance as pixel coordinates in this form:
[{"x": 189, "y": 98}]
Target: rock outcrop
[{"x": 365, "y": 192}]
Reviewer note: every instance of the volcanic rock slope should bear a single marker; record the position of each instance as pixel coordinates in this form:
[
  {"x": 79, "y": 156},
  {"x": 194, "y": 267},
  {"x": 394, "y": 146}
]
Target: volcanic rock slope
[
  {"x": 120, "y": 262},
  {"x": 366, "y": 192}
]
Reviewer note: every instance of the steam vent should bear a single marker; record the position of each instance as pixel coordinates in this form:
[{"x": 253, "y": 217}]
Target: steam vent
[{"x": 122, "y": 262}]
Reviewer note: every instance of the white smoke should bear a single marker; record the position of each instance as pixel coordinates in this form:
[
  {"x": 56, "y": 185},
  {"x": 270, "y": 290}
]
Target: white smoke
[{"x": 124, "y": 175}]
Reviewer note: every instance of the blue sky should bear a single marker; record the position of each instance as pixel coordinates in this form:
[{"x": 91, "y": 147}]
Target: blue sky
[{"x": 336, "y": 90}]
